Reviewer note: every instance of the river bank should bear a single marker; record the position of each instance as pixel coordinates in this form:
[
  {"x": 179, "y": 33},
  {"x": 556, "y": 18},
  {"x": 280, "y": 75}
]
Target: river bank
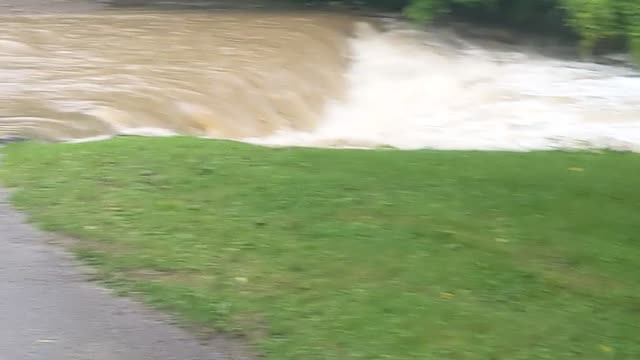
[{"x": 327, "y": 254}]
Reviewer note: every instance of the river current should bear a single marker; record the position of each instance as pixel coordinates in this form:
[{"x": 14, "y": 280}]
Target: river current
[{"x": 74, "y": 70}]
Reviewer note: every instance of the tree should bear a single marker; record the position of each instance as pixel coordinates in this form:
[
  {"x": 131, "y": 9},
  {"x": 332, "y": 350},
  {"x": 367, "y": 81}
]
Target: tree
[{"x": 595, "y": 21}]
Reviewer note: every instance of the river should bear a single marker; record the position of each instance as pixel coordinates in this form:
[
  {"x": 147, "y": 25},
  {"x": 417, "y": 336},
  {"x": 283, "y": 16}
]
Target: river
[{"x": 77, "y": 70}]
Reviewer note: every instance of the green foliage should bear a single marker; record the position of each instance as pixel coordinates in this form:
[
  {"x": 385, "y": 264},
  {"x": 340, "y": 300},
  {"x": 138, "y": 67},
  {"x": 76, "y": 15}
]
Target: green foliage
[
  {"x": 634, "y": 41},
  {"x": 422, "y": 10},
  {"x": 595, "y": 21}
]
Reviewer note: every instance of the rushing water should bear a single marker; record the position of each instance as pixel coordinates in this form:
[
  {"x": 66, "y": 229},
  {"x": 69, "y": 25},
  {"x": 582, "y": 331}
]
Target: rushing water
[{"x": 72, "y": 70}]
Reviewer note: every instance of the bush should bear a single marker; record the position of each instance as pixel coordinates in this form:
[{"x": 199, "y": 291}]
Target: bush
[
  {"x": 594, "y": 21},
  {"x": 597, "y": 23}
]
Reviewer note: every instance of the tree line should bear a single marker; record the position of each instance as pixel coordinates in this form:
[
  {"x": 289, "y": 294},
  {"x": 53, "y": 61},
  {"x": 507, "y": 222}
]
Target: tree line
[{"x": 596, "y": 23}]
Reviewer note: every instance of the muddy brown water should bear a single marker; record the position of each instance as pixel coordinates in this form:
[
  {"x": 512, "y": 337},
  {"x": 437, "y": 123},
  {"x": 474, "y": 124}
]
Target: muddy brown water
[
  {"x": 72, "y": 69},
  {"x": 277, "y": 75}
]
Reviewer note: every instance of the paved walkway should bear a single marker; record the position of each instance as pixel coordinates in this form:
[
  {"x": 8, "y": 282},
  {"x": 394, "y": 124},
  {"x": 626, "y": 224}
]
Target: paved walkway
[{"x": 49, "y": 311}]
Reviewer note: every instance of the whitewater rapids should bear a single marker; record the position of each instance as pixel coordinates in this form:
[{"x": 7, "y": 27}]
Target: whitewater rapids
[{"x": 300, "y": 79}]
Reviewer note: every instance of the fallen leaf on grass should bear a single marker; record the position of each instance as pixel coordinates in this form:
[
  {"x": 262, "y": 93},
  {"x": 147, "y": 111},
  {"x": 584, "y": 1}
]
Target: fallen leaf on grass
[
  {"x": 447, "y": 295},
  {"x": 605, "y": 348},
  {"x": 241, "y": 279}
]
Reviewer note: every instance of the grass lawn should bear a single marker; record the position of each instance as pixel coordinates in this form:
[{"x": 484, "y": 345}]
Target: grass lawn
[{"x": 344, "y": 254}]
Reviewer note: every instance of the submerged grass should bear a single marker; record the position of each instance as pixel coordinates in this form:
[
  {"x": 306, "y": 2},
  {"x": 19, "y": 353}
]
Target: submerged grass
[{"x": 326, "y": 254}]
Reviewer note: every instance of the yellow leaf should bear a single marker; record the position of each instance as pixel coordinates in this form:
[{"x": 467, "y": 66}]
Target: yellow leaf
[
  {"x": 447, "y": 295},
  {"x": 241, "y": 279},
  {"x": 605, "y": 348},
  {"x": 577, "y": 169}
]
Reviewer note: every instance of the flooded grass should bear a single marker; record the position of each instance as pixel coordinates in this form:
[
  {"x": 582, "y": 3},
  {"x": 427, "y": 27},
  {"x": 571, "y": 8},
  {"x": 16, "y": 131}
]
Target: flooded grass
[{"x": 330, "y": 254}]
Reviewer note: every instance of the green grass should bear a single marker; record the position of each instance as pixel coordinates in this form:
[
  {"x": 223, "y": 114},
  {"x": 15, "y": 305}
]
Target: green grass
[{"x": 332, "y": 254}]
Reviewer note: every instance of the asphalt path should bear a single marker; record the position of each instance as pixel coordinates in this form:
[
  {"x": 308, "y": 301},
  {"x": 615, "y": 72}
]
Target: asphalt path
[{"x": 50, "y": 310}]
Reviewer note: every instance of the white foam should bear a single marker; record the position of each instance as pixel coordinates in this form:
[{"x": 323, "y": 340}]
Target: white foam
[
  {"x": 410, "y": 96},
  {"x": 138, "y": 131},
  {"x": 90, "y": 139},
  {"x": 147, "y": 131},
  {"x": 16, "y": 48}
]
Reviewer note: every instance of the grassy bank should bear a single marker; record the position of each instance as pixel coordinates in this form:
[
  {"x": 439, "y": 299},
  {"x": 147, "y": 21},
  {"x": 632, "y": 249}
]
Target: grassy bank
[{"x": 321, "y": 254}]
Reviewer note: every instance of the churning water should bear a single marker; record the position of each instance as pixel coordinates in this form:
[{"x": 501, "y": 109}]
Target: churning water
[{"x": 297, "y": 78}]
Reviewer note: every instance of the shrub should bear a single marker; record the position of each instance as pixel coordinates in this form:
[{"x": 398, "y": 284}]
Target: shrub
[{"x": 595, "y": 21}]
